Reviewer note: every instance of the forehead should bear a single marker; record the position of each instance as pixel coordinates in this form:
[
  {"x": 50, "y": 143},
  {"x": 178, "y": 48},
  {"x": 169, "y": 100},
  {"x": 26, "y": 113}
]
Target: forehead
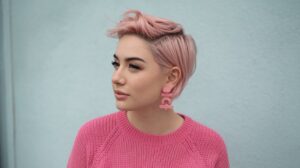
[{"x": 132, "y": 45}]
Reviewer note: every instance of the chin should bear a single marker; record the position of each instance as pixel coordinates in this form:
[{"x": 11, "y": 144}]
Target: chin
[
  {"x": 122, "y": 106},
  {"x": 125, "y": 106}
]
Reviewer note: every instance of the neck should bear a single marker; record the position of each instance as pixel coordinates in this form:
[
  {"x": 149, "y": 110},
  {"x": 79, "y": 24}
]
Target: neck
[{"x": 155, "y": 121}]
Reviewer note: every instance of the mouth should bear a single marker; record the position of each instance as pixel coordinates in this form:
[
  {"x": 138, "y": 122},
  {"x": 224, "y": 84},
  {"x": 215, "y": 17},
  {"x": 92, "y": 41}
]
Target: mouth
[{"x": 120, "y": 95}]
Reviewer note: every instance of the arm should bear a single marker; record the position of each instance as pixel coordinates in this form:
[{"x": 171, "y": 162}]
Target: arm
[
  {"x": 78, "y": 157},
  {"x": 222, "y": 161}
]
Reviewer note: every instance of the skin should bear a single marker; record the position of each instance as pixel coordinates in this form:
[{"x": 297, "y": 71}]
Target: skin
[{"x": 142, "y": 79}]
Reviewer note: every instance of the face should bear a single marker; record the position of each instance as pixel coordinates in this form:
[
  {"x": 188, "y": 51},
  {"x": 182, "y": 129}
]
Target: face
[{"x": 137, "y": 80}]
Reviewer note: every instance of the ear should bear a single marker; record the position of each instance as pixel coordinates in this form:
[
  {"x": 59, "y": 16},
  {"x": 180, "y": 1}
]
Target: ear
[{"x": 173, "y": 78}]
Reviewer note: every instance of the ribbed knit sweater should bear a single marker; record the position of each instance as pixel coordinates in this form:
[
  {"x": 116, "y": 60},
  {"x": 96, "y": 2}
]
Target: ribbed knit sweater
[{"x": 111, "y": 141}]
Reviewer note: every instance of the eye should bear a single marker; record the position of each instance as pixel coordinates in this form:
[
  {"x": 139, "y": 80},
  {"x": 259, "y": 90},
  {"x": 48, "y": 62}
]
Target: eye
[
  {"x": 115, "y": 64},
  {"x": 134, "y": 67}
]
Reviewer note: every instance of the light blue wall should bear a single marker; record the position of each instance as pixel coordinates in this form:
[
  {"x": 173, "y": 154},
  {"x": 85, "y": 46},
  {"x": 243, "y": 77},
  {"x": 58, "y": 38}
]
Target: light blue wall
[
  {"x": 57, "y": 73},
  {"x": 7, "y": 132}
]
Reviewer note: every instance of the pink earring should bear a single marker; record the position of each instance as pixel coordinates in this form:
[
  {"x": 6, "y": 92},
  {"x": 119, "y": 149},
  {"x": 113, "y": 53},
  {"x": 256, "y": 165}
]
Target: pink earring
[{"x": 166, "y": 102}]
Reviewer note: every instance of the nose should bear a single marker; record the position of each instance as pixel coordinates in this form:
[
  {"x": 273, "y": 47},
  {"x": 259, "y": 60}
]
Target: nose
[{"x": 118, "y": 77}]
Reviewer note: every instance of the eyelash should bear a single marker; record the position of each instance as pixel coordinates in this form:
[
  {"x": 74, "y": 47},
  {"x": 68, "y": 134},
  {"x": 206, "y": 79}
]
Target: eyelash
[{"x": 116, "y": 65}]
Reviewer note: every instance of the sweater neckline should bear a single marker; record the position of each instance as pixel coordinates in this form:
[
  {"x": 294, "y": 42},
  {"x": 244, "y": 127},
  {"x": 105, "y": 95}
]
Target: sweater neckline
[{"x": 169, "y": 138}]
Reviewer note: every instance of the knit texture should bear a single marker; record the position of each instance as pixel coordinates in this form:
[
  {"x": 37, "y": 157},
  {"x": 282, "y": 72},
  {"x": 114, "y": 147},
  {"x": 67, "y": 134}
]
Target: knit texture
[{"x": 111, "y": 141}]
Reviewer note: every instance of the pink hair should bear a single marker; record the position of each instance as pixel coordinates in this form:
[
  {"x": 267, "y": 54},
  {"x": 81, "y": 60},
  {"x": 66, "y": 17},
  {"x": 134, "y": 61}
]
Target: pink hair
[{"x": 168, "y": 43}]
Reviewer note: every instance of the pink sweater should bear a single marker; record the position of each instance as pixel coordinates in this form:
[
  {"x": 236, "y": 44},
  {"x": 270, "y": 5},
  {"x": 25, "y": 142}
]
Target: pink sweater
[{"x": 112, "y": 142}]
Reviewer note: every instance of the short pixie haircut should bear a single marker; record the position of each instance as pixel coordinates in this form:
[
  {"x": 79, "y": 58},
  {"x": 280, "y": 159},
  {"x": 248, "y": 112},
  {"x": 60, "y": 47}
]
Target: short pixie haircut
[{"x": 168, "y": 43}]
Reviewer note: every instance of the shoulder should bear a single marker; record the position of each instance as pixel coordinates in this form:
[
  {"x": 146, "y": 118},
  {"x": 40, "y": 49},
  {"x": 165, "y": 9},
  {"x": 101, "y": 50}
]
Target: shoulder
[
  {"x": 210, "y": 144},
  {"x": 90, "y": 136},
  {"x": 207, "y": 139},
  {"x": 98, "y": 128}
]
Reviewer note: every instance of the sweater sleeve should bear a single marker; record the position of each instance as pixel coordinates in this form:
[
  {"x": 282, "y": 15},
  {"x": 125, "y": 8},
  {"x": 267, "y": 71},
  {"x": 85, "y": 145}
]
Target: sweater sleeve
[
  {"x": 222, "y": 161},
  {"x": 78, "y": 156}
]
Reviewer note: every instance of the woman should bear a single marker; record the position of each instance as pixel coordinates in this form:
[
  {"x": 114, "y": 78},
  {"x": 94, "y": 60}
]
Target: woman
[{"x": 153, "y": 62}]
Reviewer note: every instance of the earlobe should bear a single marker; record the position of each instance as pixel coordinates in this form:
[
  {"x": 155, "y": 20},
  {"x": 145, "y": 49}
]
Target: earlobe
[{"x": 167, "y": 95}]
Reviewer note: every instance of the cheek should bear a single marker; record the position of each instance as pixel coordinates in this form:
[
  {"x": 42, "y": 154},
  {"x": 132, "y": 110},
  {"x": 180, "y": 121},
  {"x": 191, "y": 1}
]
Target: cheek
[{"x": 148, "y": 86}]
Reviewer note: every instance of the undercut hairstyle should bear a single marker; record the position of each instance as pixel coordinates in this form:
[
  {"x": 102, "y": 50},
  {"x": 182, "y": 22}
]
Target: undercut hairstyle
[{"x": 168, "y": 43}]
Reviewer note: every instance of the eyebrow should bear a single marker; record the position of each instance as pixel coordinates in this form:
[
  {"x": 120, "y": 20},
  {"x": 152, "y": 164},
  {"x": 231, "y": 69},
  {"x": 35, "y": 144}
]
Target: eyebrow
[{"x": 130, "y": 58}]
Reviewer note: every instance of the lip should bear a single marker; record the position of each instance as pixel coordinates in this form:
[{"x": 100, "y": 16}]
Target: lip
[
  {"x": 120, "y": 95},
  {"x": 120, "y": 92}
]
